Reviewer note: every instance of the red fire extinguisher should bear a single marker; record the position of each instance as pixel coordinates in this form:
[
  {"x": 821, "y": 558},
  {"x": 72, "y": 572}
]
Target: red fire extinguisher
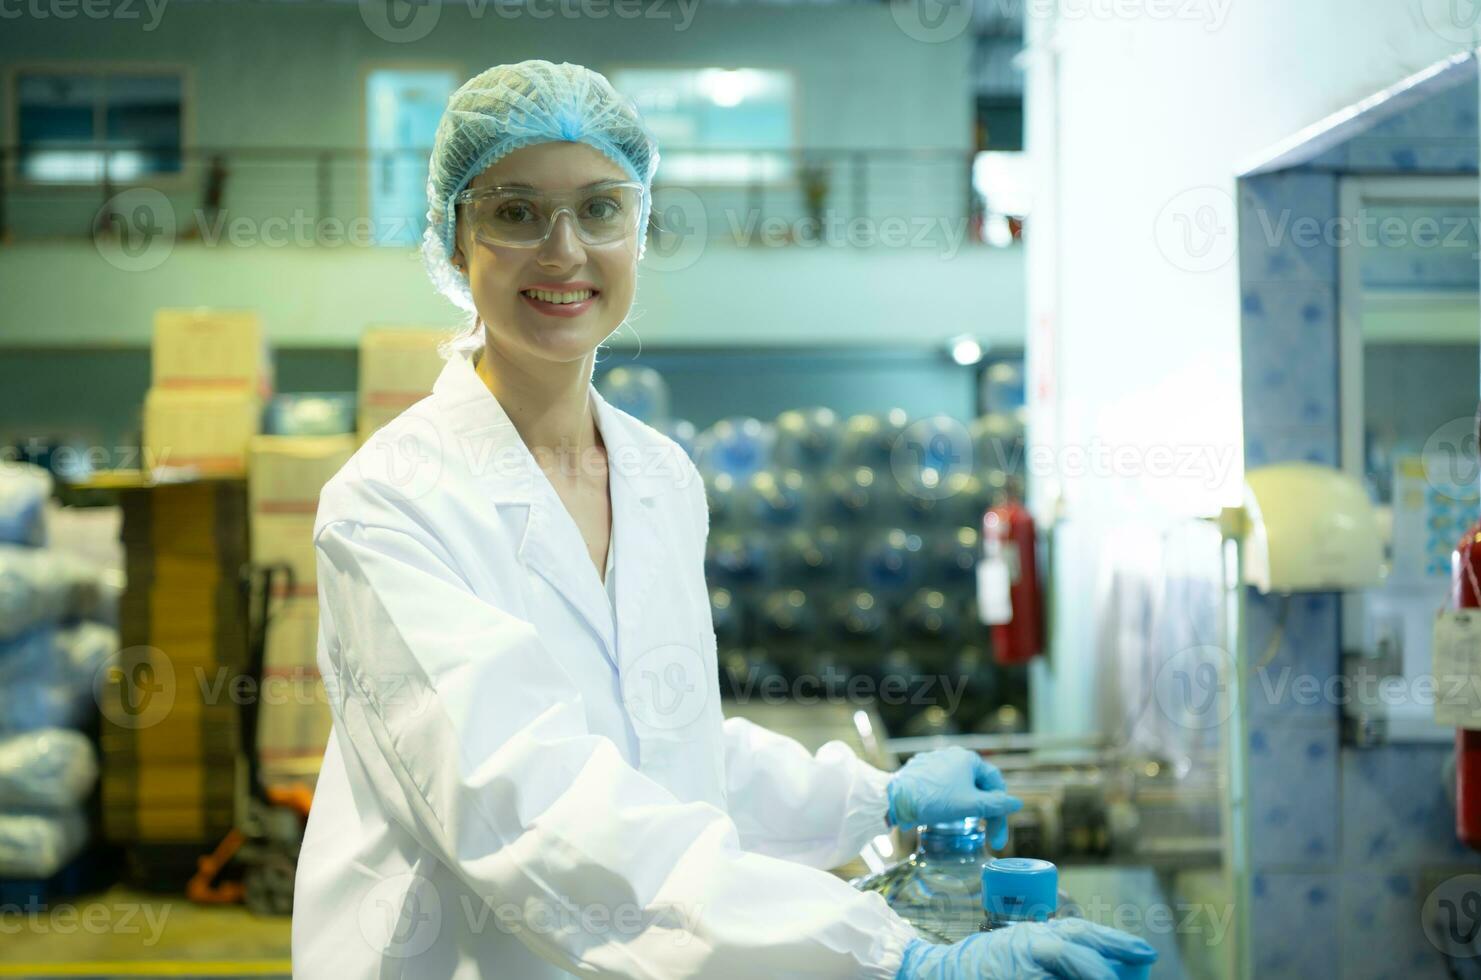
[
  {"x": 1009, "y": 538},
  {"x": 1465, "y": 593}
]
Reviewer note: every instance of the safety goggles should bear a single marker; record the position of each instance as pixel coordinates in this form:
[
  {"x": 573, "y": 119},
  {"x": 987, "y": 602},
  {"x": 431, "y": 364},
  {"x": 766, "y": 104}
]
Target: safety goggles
[{"x": 522, "y": 216}]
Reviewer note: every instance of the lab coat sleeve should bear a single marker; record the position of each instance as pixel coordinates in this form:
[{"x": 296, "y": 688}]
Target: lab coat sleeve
[
  {"x": 474, "y": 740},
  {"x": 819, "y": 810}
]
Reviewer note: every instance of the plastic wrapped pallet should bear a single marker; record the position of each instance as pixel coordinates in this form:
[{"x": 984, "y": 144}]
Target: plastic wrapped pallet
[
  {"x": 38, "y": 845},
  {"x": 37, "y": 586},
  {"x": 37, "y": 689},
  {"x": 24, "y": 491},
  {"x": 50, "y": 769}
]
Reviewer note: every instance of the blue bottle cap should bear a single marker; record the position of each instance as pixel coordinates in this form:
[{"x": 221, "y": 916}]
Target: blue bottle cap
[{"x": 1019, "y": 890}]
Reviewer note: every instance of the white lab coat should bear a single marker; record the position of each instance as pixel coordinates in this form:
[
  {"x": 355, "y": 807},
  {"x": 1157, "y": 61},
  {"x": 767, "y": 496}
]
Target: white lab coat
[{"x": 513, "y": 787}]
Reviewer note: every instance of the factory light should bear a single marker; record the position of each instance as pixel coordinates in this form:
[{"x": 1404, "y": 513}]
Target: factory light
[
  {"x": 965, "y": 350},
  {"x": 725, "y": 87}
]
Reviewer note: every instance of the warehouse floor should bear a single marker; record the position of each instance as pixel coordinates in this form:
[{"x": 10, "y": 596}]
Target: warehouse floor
[{"x": 124, "y": 933}]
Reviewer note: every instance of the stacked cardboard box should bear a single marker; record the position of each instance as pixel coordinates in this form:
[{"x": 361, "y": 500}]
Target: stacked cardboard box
[
  {"x": 287, "y": 473},
  {"x": 170, "y": 702},
  {"x": 210, "y": 375},
  {"x": 397, "y": 368}
]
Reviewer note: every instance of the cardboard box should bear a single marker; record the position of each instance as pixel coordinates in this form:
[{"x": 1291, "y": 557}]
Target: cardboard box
[
  {"x": 206, "y": 348},
  {"x": 285, "y": 476},
  {"x": 398, "y": 366},
  {"x": 205, "y": 429},
  {"x": 287, "y": 472},
  {"x": 295, "y": 721}
]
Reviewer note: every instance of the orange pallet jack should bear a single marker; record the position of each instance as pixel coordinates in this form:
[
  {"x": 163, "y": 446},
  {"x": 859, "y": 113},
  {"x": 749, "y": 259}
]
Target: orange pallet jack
[{"x": 264, "y": 849}]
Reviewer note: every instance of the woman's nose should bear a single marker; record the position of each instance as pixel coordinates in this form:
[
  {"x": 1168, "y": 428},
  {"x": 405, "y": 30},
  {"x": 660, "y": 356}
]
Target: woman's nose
[{"x": 562, "y": 246}]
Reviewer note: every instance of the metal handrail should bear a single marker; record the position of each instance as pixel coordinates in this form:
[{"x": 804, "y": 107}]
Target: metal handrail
[{"x": 852, "y": 178}]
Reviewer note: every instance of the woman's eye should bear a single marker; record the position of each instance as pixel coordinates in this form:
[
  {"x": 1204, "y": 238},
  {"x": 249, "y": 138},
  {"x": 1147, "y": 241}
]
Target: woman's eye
[
  {"x": 515, "y": 211},
  {"x": 603, "y": 207}
]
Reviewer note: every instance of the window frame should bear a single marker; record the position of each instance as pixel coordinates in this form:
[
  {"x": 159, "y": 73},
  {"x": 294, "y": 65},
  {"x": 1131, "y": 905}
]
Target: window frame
[
  {"x": 460, "y": 74},
  {"x": 186, "y": 178},
  {"x": 797, "y": 149}
]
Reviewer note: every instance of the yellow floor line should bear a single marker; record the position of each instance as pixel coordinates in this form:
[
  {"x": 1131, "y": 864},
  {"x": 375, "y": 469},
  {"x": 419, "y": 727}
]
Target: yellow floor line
[{"x": 135, "y": 968}]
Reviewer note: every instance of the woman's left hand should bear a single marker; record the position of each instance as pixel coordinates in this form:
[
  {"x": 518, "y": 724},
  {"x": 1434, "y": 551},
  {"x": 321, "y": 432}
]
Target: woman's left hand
[{"x": 952, "y": 784}]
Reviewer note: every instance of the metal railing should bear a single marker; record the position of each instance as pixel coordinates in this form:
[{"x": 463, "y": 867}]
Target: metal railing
[{"x": 314, "y": 194}]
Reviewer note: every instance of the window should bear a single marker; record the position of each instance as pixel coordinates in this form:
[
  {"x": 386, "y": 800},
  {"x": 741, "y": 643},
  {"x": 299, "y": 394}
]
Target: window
[
  {"x": 79, "y": 126},
  {"x": 718, "y": 120},
  {"x": 1001, "y": 185},
  {"x": 402, "y": 112}
]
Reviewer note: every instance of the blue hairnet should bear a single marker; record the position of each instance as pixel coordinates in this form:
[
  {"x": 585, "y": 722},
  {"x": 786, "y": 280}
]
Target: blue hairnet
[{"x": 510, "y": 106}]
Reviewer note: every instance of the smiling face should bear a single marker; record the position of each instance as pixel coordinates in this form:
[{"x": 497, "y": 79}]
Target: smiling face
[{"x": 521, "y": 326}]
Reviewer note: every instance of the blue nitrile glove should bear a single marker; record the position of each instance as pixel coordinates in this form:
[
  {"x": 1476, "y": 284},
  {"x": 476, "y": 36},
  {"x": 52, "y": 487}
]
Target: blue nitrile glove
[
  {"x": 1071, "y": 948},
  {"x": 952, "y": 784}
]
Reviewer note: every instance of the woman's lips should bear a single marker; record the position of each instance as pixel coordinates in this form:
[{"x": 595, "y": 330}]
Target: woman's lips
[{"x": 560, "y": 309}]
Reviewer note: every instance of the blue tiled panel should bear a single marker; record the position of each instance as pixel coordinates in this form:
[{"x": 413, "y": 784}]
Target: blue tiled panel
[
  {"x": 1289, "y": 342},
  {"x": 1437, "y": 135},
  {"x": 1395, "y": 810},
  {"x": 1344, "y": 827},
  {"x": 1293, "y": 800},
  {"x": 1312, "y": 444},
  {"x": 1333, "y": 159},
  {"x": 1419, "y": 245},
  {"x": 1292, "y": 667},
  {"x": 1294, "y": 925},
  {"x": 1381, "y": 928},
  {"x": 1284, "y": 231}
]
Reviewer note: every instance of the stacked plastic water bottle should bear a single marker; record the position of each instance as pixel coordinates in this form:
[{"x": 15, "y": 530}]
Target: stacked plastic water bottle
[{"x": 49, "y": 655}]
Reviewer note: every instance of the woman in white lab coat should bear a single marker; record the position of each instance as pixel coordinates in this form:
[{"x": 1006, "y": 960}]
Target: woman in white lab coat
[{"x": 529, "y": 773}]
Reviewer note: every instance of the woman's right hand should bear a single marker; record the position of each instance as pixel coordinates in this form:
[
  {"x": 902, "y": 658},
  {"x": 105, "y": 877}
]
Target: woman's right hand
[{"x": 1071, "y": 948}]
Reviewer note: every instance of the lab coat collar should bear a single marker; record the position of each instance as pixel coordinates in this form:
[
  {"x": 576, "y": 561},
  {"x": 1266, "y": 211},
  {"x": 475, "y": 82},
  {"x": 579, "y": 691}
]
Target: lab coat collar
[
  {"x": 641, "y": 471},
  {"x": 649, "y": 467}
]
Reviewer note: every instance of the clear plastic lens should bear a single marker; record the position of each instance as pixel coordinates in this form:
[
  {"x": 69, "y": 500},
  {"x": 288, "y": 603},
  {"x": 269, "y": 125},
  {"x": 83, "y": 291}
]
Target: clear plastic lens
[{"x": 523, "y": 217}]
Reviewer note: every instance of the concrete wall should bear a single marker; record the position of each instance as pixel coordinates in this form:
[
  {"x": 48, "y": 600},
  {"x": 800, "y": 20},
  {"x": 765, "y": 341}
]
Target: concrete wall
[{"x": 277, "y": 75}]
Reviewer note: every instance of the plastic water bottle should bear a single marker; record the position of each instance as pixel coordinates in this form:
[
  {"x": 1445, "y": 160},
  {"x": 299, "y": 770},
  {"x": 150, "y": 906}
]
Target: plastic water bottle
[
  {"x": 938, "y": 889},
  {"x": 1017, "y": 890}
]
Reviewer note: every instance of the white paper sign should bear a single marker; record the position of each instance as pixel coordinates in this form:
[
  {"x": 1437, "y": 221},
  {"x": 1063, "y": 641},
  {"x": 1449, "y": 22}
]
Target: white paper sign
[
  {"x": 1457, "y": 668},
  {"x": 994, "y": 604}
]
